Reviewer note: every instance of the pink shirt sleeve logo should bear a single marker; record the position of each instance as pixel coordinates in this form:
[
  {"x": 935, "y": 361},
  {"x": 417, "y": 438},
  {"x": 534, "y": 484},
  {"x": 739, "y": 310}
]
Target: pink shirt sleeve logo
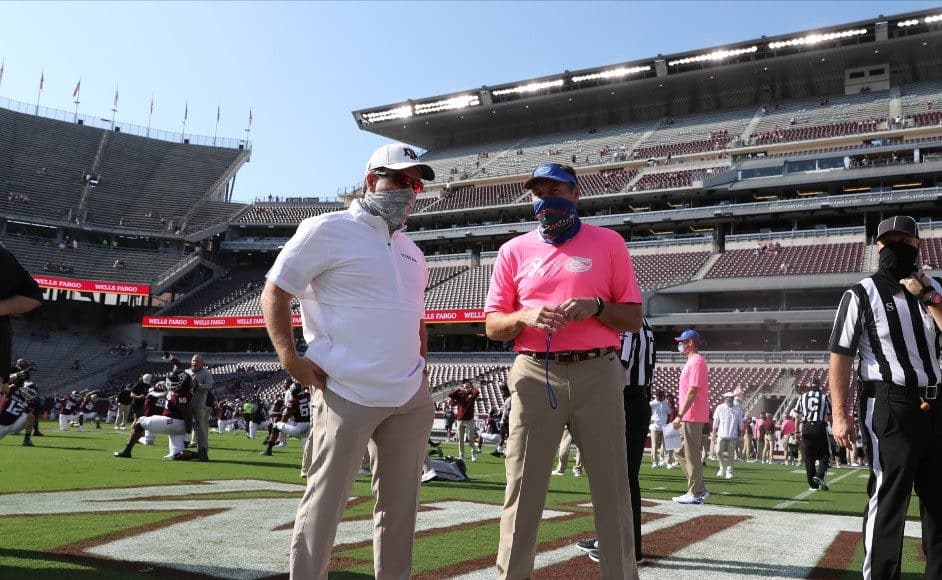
[{"x": 578, "y": 264}]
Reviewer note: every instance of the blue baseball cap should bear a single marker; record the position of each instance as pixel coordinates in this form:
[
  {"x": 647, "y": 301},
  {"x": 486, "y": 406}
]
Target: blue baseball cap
[
  {"x": 689, "y": 334},
  {"x": 553, "y": 172}
]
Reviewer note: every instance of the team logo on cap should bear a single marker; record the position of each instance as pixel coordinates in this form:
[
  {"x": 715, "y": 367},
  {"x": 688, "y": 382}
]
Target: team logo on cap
[
  {"x": 410, "y": 153},
  {"x": 542, "y": 170}
]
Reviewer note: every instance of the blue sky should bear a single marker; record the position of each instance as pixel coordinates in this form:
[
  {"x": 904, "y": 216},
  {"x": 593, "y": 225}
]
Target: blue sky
[{"x": 303, "y": 67}]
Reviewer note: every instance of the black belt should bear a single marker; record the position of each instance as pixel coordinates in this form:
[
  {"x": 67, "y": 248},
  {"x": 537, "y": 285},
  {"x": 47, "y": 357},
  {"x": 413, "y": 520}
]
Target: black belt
[
  {"x": 929, "y": 392},
  {"x": 570, "y": 356}
]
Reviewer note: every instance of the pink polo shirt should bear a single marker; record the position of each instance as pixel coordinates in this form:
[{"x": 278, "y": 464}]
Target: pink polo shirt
[
  {"x": 695, "y": 374},
  {"x": 788, "y": 426},
  {"x": 530, "y": 273}
]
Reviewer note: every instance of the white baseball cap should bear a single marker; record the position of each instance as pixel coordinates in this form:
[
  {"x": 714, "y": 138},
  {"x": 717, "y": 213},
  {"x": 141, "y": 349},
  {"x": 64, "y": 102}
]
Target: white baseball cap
[{"x": 398, "y": 156}]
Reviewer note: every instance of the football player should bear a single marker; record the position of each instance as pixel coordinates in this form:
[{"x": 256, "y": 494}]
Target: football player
[
  {"x": 89, "y": 411},
  {"x": 295, "y": 419},
  {"x": 175, "y": 420},
  {"x": 14, "y": 415},
  {"x": 69, "y": 413},
  {"x": 155, "y": 401}
]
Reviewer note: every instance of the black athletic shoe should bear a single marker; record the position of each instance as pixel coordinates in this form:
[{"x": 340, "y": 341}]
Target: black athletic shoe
[
  {"x": 265, "y": 452},
  {"x": 821, "y": 483},
  {"x": 588, "y": 545},
  {"x": 28, "y": 443},
  {"x": 595, "y": 556},
  {"x": 38, "y": 434},
  {"x": 123, "y": 453}
]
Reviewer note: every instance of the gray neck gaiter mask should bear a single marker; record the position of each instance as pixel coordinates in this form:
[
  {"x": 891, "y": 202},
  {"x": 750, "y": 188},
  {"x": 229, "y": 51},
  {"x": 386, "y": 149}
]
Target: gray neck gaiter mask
[{"x": 394, "y": 206}]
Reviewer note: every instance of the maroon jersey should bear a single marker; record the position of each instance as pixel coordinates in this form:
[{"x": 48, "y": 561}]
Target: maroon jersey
[
  {"x": 276, "y": 409},
  {"x": 298, "y": 408},
  {"x": 69, "y": 407},
  {"x": 12, "y": 407},
  {"x": 176, "y": 401},
  {"x": 154, "y": 405}
]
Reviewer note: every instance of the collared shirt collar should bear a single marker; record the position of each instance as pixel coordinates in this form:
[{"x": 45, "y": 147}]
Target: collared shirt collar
[{"x": 374, "y": 221}]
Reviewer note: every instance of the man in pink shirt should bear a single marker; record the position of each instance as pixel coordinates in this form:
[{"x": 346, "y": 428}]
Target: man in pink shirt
[
  {"x": 788, "y": 437},
  {"x": 562, "y": 293},
  {"x": 694, "y": 400}
]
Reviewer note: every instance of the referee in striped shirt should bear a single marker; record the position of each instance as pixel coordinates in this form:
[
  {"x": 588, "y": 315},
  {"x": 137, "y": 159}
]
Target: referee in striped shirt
[
  {"x": 637, "y": 356},
  {"x": 892, "y": 321},
  {"x": 813, "y": 410}
]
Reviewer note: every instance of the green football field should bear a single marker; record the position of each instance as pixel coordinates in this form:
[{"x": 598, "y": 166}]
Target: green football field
[{"x": 71, "y": 510}]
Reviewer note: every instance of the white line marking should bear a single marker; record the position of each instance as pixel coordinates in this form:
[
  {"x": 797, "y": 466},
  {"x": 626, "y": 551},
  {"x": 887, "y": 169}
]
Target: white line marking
[{"x": 809, "y": 492}]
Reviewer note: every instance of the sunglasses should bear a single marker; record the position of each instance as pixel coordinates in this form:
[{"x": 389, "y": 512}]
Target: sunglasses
[{"x": 404, "y": 181}]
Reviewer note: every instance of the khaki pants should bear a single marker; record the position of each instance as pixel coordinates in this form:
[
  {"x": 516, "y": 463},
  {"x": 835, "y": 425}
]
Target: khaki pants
[
  {"x": 746, "y": 447},
  {"x": 690, "y": 456},
  {"x": 200, "y": 420},
  {"x": 122, "y": 417},
  {"x": 341, "y": 430},
  {"x": 657, "y": 446},
  {"x": 466, "y": 427},
  {"x": 591, "y": 401},
  {"x": 768, "y": 448},
  {"x": 726, "y": 452},
  {"x": 564, "y": 444}
]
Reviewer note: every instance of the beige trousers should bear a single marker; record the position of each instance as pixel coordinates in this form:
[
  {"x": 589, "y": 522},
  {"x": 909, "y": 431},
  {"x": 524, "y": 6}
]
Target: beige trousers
[
  {"x": 563, "y": 454},
  {"x": 657, "y": 447},
  {"x": 341, "y": 430},
  {"x": 591, "y": 401},
  {"x": 690, "y": 451},
  {"x": 726, "y": 452},
  {"x": 466, "y": 428}
]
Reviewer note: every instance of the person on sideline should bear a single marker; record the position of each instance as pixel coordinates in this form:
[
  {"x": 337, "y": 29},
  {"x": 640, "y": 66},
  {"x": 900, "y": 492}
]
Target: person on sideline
[
  {"x": 361, "y": 284},
  {"x": 563, "y": 293}
]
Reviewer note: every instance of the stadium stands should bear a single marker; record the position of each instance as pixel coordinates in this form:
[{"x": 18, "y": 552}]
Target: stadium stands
[
  {"x": 665, "y": 269},
  {"x": 790, "y": 260},
  {"x": 41, "y": 165},
  {"x": 466, "y": 290},
  {"x": 832, "y": 116},
  {"x": 41, "y": 256},
  {"x": 146, "y": 184},
  {"x": 285, "y": 213},
  {"x": 673, "y": 179}
]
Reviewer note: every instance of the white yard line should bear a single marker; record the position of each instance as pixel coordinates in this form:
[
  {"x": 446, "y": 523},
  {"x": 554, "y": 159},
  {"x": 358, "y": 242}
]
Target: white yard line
[{"x": 808, "y": 493}]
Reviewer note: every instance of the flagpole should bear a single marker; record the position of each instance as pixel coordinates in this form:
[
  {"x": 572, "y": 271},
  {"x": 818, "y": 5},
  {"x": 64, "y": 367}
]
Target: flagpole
[
  {"x": 150, "y": 115},
  {"x": 216, "y": 130},
  {"x": 114, "y": 108},
  {"x": 76, "y": 93},
  {"x": 248, "y": 129},
  {"x": 186, "y": 113},
  {"x": 39, "y": 94}
]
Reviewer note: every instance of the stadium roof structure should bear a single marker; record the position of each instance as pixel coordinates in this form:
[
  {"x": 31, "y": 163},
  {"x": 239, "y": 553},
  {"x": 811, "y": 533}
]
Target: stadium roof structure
[{"x": 747, "y": 73}]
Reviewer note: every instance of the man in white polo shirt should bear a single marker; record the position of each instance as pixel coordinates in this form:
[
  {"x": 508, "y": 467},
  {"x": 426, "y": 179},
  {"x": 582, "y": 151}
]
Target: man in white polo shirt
[{"x": 361, "y": 285}]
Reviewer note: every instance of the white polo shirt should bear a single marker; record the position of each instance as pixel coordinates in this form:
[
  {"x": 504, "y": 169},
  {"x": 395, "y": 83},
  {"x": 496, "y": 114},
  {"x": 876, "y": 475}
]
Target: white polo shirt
[
  {"x": 362, "y": 295},
  {"x": 726, "y": 421}
]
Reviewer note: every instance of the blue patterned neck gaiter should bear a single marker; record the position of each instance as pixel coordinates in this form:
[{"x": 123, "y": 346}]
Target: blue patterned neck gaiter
[{"x": 558, "y": 219}]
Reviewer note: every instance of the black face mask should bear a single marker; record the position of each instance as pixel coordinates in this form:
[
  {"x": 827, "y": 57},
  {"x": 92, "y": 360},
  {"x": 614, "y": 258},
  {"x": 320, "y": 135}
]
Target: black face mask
[{"x": 898, "y": 260}]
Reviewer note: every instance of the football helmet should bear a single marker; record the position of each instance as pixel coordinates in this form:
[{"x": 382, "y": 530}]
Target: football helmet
[
  {"x": 176, "y": 380},
  {"x": 75, "y": 396},
  {"x": 297, "y": 388}
]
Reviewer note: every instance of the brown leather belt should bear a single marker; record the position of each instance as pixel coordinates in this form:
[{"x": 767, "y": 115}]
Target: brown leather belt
[{"x": 570, "y": 356}]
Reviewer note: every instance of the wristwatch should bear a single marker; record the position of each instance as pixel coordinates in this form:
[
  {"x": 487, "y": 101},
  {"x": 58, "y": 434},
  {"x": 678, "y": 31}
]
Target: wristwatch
[
  {"x": 931, "y": 298},
  {"x": 600, "y": 304}
]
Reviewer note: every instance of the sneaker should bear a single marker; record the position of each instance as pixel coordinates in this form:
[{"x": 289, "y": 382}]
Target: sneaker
[
  {"x": 558, "y": 472},
  {"x": 265, "y": 452},
  {"x": 705, "y": 494},
  {"x": 281, "y": 445},
  {"x": 671, "y": 465},
  {"x": 123, "y": 453},
  {"x": 28, "y": 443},
  {"x": 720, "y": 473},
  {"x": 595, "y": 556},
  {"x": 822, "y": 485},
  {"x": 655, "y": 465},
  {"x": 303, "y": 475},
  {"x": 169, "y": 456},
  {"x": 729, "y": 474},
  {"x": 688, "y": 499},
  {"x": 577, "y": 473},
  {"x": 474, "y": 457},
  {"x": 588, "y": 545}
]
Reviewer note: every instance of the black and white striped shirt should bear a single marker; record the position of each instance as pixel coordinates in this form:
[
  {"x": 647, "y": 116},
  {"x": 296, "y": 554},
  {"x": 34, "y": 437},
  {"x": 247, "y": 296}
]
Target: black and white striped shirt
[
  {"x": 638, "y": 353},
  {"x": 814, "y": 406},
  {"x": 893, "y": 333}
]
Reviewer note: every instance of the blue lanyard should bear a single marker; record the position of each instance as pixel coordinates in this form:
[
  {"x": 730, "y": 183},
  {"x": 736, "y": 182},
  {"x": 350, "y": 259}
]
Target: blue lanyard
[{"x": 550, "y": 393}]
